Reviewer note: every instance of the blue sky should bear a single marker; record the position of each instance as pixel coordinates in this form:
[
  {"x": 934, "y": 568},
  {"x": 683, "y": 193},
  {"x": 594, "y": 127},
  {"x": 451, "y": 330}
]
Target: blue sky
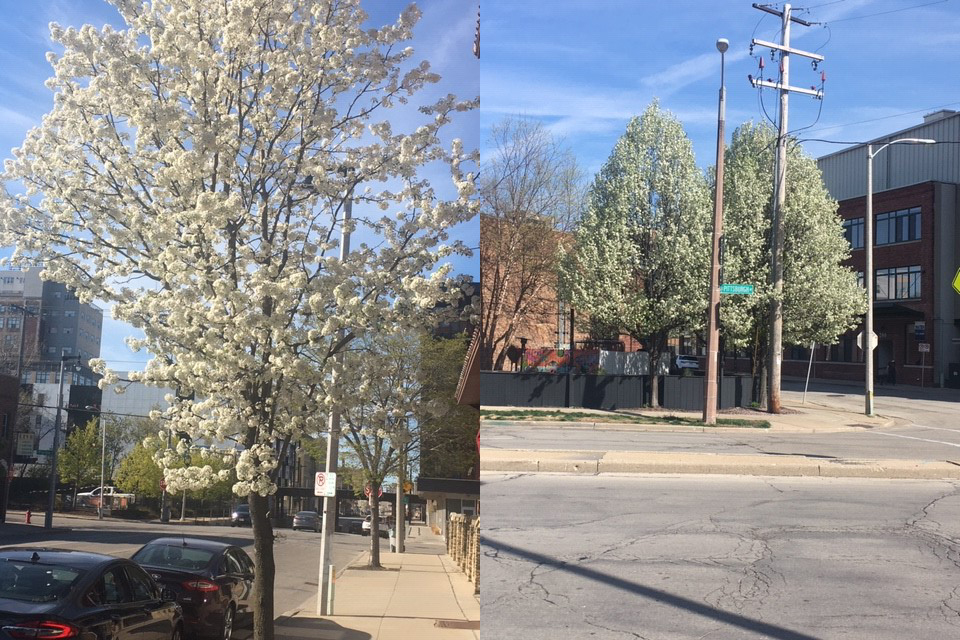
[
  {"x": 583, "y": 68},
  {"x": 444, "y": 36}
]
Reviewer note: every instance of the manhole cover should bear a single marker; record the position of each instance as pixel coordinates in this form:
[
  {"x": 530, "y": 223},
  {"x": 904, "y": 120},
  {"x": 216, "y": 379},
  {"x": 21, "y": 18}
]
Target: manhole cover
[{"x": 458, "y": 624}]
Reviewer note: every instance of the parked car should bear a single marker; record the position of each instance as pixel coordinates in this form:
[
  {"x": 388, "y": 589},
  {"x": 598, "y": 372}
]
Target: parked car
[
  {"x": 368, "y": 525},
  {"x": 55, "y": 593},
  {"x": 241, "y": 516},
  {"x": 306, "y": 520},
  {"x": 685, "y": 362},
  {"x": 213, "y": 581}
]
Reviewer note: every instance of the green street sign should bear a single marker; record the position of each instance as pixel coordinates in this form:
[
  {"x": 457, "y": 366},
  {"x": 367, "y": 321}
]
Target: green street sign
[
  {"x": 956, "y": 282},
  {"x": 45, "y": 452},
  {"x": 737, "y": 289}
]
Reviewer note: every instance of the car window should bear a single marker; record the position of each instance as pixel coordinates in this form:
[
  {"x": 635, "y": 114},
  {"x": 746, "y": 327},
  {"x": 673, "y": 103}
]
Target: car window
[
  {"x": 111, "y": 588},
  {"x": 36, "y": 582},
  {"x": 173, "y": 557},
  {"x": 141, "y": 585},
  {"x": 245, "y": 561},
  {"x": 231, "y": 564}
]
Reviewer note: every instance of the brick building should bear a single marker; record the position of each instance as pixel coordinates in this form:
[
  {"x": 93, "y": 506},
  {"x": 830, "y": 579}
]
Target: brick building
[{"x": 916, "y": 255}]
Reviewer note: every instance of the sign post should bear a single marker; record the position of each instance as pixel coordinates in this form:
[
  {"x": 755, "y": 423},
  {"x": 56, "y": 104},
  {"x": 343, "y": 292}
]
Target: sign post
[{"x": 924, "y": 350}]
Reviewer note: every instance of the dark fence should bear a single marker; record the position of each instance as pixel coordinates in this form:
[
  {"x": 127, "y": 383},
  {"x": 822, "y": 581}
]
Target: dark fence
[{"x": 685, "y": 393}]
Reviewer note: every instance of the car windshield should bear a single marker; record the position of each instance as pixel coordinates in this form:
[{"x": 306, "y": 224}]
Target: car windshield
[
  {"x": 243, "y": 508},
  {"x": 173, "y": 557},
  {"x": 306, "y": 514},
  {"x": 32, "y": 582}
]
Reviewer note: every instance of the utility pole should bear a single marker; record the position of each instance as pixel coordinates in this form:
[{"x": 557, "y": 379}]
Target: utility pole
[{"x": 780, "y": 191}]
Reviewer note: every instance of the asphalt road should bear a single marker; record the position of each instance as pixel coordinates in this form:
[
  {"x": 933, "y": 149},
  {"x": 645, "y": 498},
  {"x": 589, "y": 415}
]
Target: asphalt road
[
  {"x": 297, "y": 553},
  {"x": 927, "y": 428},
  {"x": 719, "y": 557}
]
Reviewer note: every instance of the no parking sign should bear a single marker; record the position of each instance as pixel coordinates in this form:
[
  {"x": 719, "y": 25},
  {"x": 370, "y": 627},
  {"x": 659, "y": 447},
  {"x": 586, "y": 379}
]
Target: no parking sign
[{"x": 325, "y": 485}]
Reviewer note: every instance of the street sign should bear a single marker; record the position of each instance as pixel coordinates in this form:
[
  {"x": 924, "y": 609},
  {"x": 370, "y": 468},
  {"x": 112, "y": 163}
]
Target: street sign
[
  {"x": 407, "y": 486},
  {"x": 737, "y": 289},
  {"x": 873, "y": 340},
  {"x": 956, "y": 282},
  {"x": 924, "y": 347},
  {"x": 367, "y": 491},
  {"x": 45, "y": 452},
  {"x": 919, "y": 330},
  {"x": 325, "y": 485},
  {"x": 24, "y": 444}
]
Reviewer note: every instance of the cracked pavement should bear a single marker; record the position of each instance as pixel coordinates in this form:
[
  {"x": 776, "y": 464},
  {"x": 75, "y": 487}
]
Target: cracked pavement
[{"x": 718, "y": 557}]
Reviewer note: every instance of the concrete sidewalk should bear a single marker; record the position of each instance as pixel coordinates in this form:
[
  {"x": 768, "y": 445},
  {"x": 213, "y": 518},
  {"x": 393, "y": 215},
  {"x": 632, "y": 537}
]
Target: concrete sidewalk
[
  {"x": 418, "y": 594},
  {"x": 797, "y": 418}
]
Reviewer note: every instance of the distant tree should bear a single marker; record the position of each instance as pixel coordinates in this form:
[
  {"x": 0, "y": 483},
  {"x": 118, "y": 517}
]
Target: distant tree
[
  {"x": 139, "y": 473},
  {"x": 641, "y": 258},
  {"x": 821, "y": 297},
  {"x": 79, "y": 461},
  {"x": 530, "y": 192},
  {"x": 449, "y": 430}
]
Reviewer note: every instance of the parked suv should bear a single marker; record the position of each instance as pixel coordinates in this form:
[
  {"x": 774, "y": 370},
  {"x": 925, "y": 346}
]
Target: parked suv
[
  {"x": 240, "y": 516},
  {"x": 685, "y": 362}
]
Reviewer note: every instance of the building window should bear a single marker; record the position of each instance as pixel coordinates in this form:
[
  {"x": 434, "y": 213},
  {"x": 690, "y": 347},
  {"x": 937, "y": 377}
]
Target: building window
[
  {"x": 7, "y": 280},
  {"x": 13, "y": 323},
  {"x": 43, "y": 376},
  {"x": 898, "y": 283},
  {"x": 853, "y": 231},
  {"x": 898, "y": 226},
  {"x": 69, "y": 314}
]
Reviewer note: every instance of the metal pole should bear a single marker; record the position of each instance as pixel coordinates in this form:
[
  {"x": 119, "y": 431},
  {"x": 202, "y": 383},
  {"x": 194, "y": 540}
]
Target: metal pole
[
  {"x": 325, "y": 583},
  {"x": 103, "y": 464},
  {"x": 813, "y": 346},
  {"x": 713, "y": 310},
  {"x": 401, "y": 512},
  {"x": 52, "y": 492},
  {"x": 867, "y": 341}
]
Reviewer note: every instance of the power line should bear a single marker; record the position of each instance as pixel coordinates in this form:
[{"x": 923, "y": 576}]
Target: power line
[
  {"x": 896, "y": 115},
  {"x": 883, "y": 13}
]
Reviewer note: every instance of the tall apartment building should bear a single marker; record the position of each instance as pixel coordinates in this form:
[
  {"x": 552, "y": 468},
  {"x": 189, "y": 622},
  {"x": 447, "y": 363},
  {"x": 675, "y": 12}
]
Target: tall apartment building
[
  {"x": 42, "y": 321},
  {"x": 916, "y": 210}
]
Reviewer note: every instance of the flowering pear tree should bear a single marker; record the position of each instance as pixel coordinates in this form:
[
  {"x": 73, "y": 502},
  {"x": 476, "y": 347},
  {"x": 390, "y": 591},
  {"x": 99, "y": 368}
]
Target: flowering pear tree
[
  {"x": 821, "y": 297},
  {"x": 195, "y": 172},
  {"x": 386, "y": 392},
  {"x": 642, "y": 251}
]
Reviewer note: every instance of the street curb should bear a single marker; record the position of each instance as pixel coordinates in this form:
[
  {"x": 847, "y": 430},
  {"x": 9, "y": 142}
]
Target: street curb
[{"x": 595, "y": 463}]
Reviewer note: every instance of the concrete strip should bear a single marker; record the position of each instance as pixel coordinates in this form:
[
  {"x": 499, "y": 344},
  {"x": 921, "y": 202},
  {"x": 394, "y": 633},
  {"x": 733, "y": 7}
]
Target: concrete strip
[{"x": 502, "y": 460}]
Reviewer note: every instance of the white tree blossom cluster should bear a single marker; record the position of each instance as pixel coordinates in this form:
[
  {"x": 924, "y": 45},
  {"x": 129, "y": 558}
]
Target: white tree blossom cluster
[{"x": 194, "y": 174}]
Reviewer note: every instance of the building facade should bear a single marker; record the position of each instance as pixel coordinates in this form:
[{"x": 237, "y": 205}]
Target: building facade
[{"x": 916, "y": 254}]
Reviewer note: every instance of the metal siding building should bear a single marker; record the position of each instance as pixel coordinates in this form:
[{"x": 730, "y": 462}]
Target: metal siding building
[{"x": 912, "y": 175}]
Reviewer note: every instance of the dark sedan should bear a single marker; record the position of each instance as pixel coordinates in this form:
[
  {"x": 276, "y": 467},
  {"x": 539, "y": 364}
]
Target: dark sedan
[
  {"x": 240, "y": 516},
  {"x": 213, "y": 580},
  {"x": 59, "y": 594}
]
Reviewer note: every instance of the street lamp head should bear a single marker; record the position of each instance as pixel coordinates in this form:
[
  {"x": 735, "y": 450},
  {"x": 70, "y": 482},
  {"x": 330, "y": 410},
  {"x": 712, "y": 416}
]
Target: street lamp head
[
  {"x": 722, "y": 45},
  {"x": 915, "y": 141}
]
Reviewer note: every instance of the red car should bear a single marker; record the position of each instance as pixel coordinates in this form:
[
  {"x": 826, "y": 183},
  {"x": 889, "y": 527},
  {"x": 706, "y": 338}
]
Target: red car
[{"x": 213, "y": 581}]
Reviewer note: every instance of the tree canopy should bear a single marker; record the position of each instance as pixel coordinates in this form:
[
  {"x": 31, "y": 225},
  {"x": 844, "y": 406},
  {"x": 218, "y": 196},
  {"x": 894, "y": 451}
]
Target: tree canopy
[
  {"x": 205, "y": 158},
  {"x": 641, "y": 257}
]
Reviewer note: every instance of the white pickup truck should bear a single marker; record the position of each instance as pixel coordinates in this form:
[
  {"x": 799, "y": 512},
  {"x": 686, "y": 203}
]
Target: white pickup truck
[{"x": 115, "y": 499}]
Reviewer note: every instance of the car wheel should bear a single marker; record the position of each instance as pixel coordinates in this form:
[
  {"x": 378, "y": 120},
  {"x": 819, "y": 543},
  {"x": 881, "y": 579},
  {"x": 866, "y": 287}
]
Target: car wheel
[{"x": 227, "y": 630}]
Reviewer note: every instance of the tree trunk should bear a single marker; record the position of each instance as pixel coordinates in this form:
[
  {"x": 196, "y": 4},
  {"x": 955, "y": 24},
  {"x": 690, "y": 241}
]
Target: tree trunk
[
  {"x": 374, "y": 527},
  {"x": 264, "y": 568},
  {"x": 658, "y": 344}
]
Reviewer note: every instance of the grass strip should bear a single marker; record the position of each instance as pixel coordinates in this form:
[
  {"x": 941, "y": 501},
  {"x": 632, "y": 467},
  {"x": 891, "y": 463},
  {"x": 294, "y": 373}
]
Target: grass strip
[{"x": 583, "y": 416}]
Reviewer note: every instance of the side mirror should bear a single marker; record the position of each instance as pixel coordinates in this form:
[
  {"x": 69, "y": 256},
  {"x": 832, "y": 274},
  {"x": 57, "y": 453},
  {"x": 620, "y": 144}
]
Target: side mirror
[{"x": 168, "y": 595}]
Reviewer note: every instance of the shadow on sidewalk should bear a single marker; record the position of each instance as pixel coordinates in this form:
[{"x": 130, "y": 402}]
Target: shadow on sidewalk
[{"x": 315, "y": 629}]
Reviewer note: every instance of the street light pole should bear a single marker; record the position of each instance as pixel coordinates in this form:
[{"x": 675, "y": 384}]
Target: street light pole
[
  {"x": 52, "y": 493},
  {"x": 103, "y": 464},
  {"x": 867, "y": 340},
  {"x": 713, "y": 310},
  {"x": 325, "y": 585}
]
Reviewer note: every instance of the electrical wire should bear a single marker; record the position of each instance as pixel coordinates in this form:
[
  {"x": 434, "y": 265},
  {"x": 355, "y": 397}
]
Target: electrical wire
[
  {"x": 883, "y": 13},
  {"x": 896, "y": 115}
]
